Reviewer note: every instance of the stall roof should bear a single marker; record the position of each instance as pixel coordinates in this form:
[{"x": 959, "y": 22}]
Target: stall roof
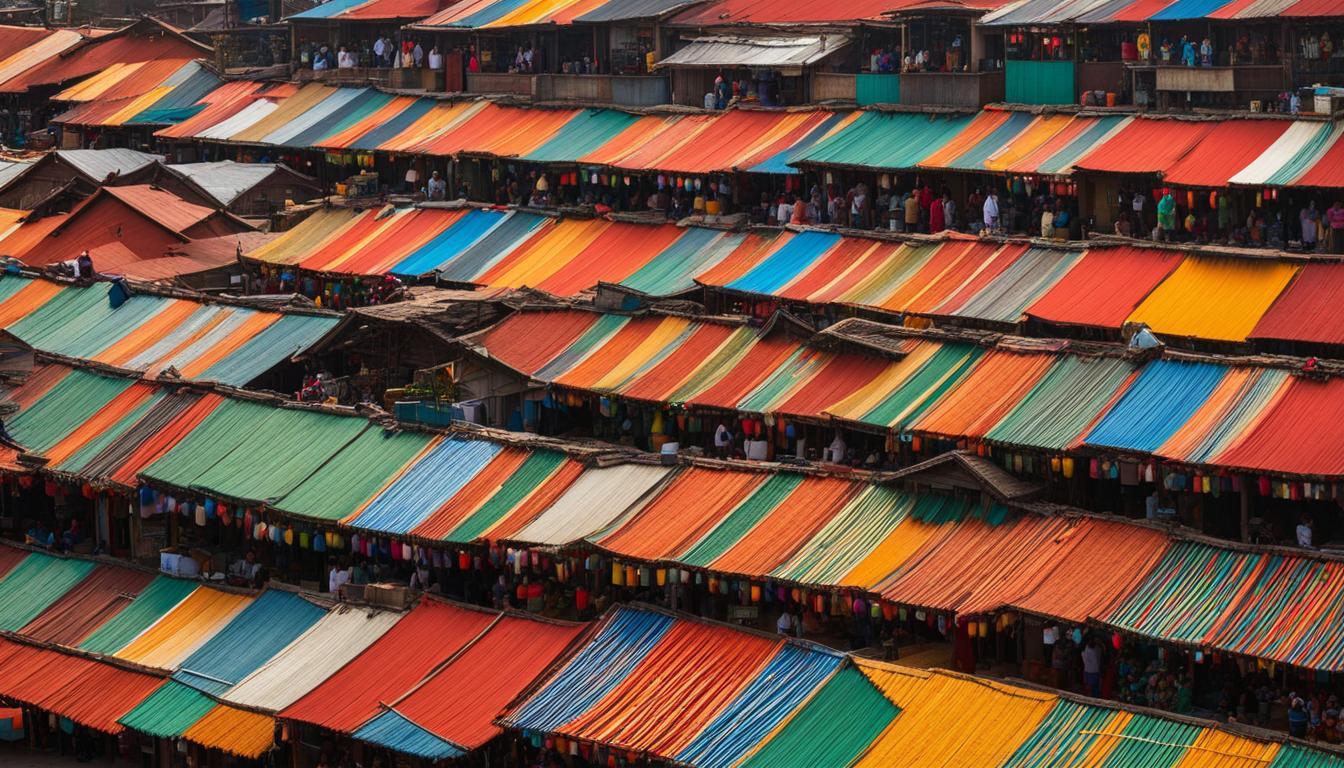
[
  {"x": 634, "y": 10},
  {"x": 226, "y": 180},
  {"x": 1106, "y": 286},
  {"x": 1147, "y": 146},
  {"x": 88, "y": 606},
  {"x": 1212, "y": 297},
  {"x": 1225, "y": 151},
  {"x": 431, "y": 634},
  {"x": 622, "y": 686},
  {"x": 497, "y": 665},
  {"x": 150, "y": 333},
  {"x": 88, "y": 692},
  {"x": 1308, "y": 310},
  {"x": 258, "y": 632},
  {"x": 333, "y": 641},
  {"x": 372, "y": 10}
]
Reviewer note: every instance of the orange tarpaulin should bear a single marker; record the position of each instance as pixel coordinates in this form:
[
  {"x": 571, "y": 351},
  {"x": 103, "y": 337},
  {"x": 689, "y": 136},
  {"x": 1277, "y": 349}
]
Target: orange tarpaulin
[
  {"x": 986, "y": 394},
  {"x": 647, "y": 711},
  {"x": 683, "y": 513},
  {"x": 795, "y": 520}
]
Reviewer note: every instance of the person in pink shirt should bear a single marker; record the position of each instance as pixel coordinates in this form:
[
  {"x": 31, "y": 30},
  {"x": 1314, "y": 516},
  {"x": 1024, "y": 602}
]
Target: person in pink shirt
[{"x": 1335, "y": 218}]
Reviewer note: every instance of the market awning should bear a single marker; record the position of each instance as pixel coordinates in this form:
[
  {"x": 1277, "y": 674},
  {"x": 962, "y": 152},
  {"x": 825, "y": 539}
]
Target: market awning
[{"x": 789, "y": 53}]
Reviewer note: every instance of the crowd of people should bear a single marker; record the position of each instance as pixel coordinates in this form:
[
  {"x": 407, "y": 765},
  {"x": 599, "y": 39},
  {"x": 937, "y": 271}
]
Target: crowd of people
[{"x": 380, "y": 53}]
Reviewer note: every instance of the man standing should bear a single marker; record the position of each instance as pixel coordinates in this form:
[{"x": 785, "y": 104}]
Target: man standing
[
  {"x": 992, "y": 211},
  {"x": 1335, "y": 218}
]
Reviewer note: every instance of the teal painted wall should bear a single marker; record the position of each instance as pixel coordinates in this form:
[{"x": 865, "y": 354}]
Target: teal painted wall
[{"x": 1040, "y": 82}]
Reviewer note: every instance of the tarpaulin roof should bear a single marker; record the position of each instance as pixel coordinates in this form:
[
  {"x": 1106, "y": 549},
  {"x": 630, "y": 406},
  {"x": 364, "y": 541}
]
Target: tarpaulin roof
[
  {"x": 804, "y": 706},
  {"x": 35, "y": 584},
  {"x": 1308, "y": 309},
  {"x": 88, "y": 692},
  {"x": 919, "y": 734},
  {"x": 789, "y": 12},
  {"x": 177, "y": 711},
  {"x": 149, "y": 333},
  {"x": 179, "y": 632},
  {"x": 1214, "y": 298},
  {"x": 59, "y": 62},
  {"x": 1230, "y": 600},
  {"x": 429, "y": 635},
  {"x": 894, "y": 141},
  {"x": 26, "y": 46},
  {"x": 257, "y": 633},
  {"x": 151, "y": 604},
  {"x": 1034, "y": 12},
  {"x": 1223, "y": 152},
  {"x": 103, "y": 594},
  {"x": 355, "y": 475},
  {"x": 328, "y": 645},
  {"x": 219, "y": 456},
  {"x": 1063, "y": 404},
  {"x": 371, "y": 10},
  {"x": 166, "y": 91},
  {"x": 1106, "y": 286},
  {"x": 491, "y": 14},
  {"x": 1146, "y": 146},
  {"x": 640, "y": 667},
  {"x": 495, "y": 667}
]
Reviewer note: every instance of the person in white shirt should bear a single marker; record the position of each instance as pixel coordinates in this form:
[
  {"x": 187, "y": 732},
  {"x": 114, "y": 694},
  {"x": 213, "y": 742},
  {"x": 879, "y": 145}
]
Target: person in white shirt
[
  {"x": 723, "y": 440},
  {"x": 784, "y": 624},
  {"x": 1304, "y": 530},
  {"x": 992, "y": 211},
  {"x": 338, "y": 577},
  {"x": 379, "y": 48},
  {"x": 784, "y": 213},
  {"x": 412, "y": 178},
  {"x": 435, "y": 58},
  {"x": 417, "y": 55},
  {"x": 345, "y": 59},
  {"x": 838, "y": 449}
]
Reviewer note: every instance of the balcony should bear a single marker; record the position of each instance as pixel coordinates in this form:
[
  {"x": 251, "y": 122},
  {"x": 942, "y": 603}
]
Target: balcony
[
  {"x": 957, "y": 89},
  {"x": 626, "y": 90},
  {"x": 951, "y": 89},
  {"x": 1243, "y": 79},
  {"x": 501, "y": 82}
]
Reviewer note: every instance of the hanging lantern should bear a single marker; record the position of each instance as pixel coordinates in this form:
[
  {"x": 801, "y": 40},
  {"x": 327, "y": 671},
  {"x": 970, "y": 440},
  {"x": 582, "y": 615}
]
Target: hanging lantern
[
  {"x": 661, "y": 576},
  {"x": 755, "y": 593},
  {"x": 1117, "y": 641},
  {"x": 631, "y": 576}
]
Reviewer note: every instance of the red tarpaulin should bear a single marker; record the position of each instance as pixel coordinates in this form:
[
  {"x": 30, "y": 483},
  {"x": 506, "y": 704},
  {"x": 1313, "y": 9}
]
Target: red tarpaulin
[
  {"x": 1105, "y": 287},
  {"x": 1146, "y": 146}
]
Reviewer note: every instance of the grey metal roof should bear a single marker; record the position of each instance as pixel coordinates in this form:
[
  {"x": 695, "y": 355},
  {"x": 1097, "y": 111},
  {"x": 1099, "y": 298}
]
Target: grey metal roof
[
  {"x": 756, "y": 51},
  {"x": 630, "y": 10},
  {"x": 11, "y": 170},
  {"x": 98, "y": 164},
  {"x": 225, "y": 180}
]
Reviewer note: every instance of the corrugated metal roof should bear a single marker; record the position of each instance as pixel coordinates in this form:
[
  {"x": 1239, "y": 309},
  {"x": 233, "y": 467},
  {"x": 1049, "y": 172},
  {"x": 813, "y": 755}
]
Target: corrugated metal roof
[
  {"x": 743, "y": 51},
  {"x": 225, "y": 180},
  {"x": 98, "y": 164}
]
